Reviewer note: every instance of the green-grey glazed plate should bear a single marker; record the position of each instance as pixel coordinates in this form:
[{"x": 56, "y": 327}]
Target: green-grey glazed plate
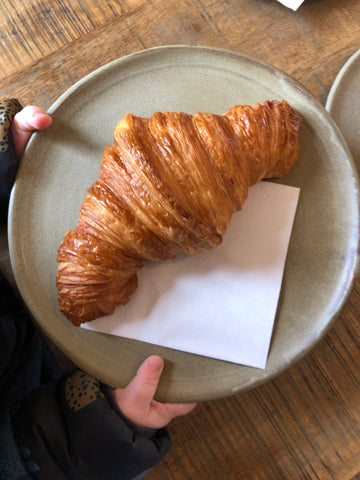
[{"x": 62, "y": 162}]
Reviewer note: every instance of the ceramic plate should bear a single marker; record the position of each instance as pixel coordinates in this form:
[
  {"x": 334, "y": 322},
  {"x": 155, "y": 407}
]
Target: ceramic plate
[
  {"x": 343, "y": 104},
  {"x": 62, "y": 162}
]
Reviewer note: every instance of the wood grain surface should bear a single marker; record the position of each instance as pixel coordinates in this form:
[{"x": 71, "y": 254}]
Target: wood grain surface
[{"x": 304, "y": 424}]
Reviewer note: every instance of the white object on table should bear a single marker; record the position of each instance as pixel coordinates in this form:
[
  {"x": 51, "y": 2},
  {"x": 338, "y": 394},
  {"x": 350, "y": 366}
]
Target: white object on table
[
  {"x": 293, "y": 4},
  {"x": 222, "y": 302}
]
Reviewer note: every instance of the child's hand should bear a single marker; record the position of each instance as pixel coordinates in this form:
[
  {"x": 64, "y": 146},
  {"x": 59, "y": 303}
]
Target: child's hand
[
  {"x": 25, "y": 122},
  {"x": 137, "y": 403}
]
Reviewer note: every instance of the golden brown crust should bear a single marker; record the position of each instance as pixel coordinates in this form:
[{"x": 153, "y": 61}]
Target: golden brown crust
[{"x": 169, "y": 184}]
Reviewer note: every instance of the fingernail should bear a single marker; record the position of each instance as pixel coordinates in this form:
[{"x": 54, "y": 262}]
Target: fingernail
[{"x": 156, "y": 363}]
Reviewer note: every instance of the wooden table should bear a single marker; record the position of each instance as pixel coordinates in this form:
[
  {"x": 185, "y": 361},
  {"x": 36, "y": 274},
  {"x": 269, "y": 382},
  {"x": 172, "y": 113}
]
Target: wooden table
[{"x": 305, "y": 424}]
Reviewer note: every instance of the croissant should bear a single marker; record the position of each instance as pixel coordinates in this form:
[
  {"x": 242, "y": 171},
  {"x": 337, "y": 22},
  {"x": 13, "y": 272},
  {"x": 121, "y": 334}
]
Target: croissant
[{"x": 168, "y": 184}]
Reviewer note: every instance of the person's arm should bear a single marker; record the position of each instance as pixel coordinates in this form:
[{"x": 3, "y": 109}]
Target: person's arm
[
  {"x": 16, "y": 126},
  {"x": 8, "y": 156},
  {"x": 75, "y": 428},
  {"x": 78, "y": 428},
  {"x": 20, "y": 347}
]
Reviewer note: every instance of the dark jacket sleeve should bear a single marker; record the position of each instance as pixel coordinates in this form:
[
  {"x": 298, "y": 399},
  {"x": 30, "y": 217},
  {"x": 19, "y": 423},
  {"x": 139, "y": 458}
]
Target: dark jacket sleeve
[
  {"x": 68, "y": 429},
  {"x": 73, "y": 429}
]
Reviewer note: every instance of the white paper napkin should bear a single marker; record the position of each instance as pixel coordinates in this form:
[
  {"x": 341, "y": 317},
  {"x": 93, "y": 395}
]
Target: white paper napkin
[
  {"x": 293, "y": 4},
  {"x": 222, "y": 302}
]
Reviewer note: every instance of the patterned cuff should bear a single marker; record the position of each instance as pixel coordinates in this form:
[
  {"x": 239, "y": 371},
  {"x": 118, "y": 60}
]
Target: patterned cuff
[
  {"x": 9, "y": 107},
  {"x": 8, "y": 158},
  {"x": 81, "y": 389}
]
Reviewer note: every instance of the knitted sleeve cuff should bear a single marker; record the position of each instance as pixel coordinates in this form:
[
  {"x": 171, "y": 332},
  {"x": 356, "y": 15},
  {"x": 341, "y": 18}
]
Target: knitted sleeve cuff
[{"x": 8, "y": 158}]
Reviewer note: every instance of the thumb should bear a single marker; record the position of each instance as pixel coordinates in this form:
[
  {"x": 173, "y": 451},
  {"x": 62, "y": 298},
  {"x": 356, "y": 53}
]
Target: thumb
[
  {"x": 143, "y": 386},
  {"x": 25, "y": 122}
]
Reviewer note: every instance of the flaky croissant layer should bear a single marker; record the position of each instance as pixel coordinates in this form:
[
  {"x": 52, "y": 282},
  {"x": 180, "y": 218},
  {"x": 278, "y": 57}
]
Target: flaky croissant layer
[{"x": 168, "y": 184}]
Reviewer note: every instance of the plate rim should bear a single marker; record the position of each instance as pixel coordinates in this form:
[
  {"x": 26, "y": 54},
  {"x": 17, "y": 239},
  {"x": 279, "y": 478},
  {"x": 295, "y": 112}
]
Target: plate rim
[
  {"x": 339, "y": 78},
  {"x": 329, "y": 104}
]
